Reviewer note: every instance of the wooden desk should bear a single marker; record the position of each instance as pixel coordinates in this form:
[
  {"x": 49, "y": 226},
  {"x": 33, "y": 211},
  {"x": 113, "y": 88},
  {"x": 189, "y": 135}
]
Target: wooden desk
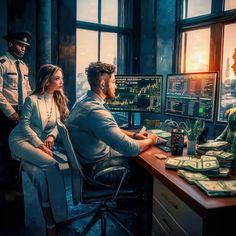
[{"x": 180, "y": 208}]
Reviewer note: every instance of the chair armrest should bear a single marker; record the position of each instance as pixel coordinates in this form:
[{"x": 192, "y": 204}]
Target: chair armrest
[
  {"x": 111, "y": 169},
  {"x": 107, "y": 170}
]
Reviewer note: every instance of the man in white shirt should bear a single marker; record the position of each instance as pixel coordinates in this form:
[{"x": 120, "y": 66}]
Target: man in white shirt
[
  {"x": 95, "y": 135},
  {"x": 14, "y": 87}
]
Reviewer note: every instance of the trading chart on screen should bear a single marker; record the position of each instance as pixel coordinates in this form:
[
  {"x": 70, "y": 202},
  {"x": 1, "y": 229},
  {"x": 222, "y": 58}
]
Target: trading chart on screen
[
  {"x": 191, "y": 95},
  {"x": 137, "y": 93}
]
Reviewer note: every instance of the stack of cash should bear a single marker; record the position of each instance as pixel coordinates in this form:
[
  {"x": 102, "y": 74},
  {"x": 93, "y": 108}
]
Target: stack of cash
[
  {"x": 206, "y": 164},
  {"x": 217, "y": 188},
  {"x": 213, "y": 145},
  {"x": 225, "y": 159},
  {"x": 223, "y": 172},
  {"x": 191, "y": 177}
]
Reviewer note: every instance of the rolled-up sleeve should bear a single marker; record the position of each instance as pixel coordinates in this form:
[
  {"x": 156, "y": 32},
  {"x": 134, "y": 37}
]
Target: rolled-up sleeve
[{"x": 104, "y": 127}]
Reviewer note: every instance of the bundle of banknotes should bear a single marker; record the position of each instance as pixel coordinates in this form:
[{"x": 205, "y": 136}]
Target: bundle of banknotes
[
  {"x": 191, "y": 177},
  {"x": 223, "y": 172},
  {"x": 218, "y": 187},
  {"x": 225, "y": 159},
  {"x": 212, "y": 145},
  {"x": 205, "y": 164}
]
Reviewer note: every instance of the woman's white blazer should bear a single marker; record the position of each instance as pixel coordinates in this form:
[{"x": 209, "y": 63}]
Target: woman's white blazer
[{"x": 33, "y": 121}]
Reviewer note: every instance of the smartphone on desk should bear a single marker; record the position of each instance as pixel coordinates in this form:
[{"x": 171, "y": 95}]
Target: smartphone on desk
[{"x": 163, "y": 147}]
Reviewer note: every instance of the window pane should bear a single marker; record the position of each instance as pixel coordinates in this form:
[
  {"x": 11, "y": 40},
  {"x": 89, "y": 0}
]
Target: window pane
[
  {"x": 195, "y": 50},
  {"x": 109, "y": 12},
  {"x": 87, "y": 10},
  {"x": 86, "y": 52},
  {"x": 108, "y": 49},
  {"x": 228, "y": 93},
  {"x": 230, "y": 4},
  {"x": 192, "y": 8}
]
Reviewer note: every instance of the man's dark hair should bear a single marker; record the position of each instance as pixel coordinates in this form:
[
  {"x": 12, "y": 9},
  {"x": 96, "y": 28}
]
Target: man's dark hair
[{"x": 96, "y": 71}]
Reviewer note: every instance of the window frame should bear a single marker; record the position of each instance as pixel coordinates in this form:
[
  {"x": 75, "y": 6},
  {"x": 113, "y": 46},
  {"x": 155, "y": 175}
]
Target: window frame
[
  {"x": 216, "y": 21},
  {"x": 124, "y": 50}
]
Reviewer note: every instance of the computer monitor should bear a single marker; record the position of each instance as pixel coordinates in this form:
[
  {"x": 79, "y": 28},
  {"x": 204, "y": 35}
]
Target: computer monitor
[
  {"x": 191, "y": 95},
  {"x": 137, "y": 93}
]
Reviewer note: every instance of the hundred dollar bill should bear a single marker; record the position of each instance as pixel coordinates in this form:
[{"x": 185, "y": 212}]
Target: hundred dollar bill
[
  {"x": 215, "y": 145},
  {"x": 218, "y": 188},
  {"x": 213, "y": 153},
  {"x": 191, "y": 177},
  {"x": 226, "y": 155},
  {"x": 220, "y": 154},
  {"x": 223, "y": 172},
  {"x": 208, "y": 158},
  {"x": 210, "y": 164},
  {"x": 194, "y": 164}
]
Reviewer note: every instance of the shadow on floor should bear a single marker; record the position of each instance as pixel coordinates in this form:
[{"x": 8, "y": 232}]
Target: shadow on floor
[{"x": 34, "y": 222}]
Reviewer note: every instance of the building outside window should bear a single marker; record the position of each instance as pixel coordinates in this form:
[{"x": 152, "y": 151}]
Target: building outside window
[
  {"x": 102, "y": 34},
  {"x": 207, "y": 30}
]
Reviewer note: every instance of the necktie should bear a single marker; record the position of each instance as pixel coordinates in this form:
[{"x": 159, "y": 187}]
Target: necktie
[{"x": 20, "y": 92}]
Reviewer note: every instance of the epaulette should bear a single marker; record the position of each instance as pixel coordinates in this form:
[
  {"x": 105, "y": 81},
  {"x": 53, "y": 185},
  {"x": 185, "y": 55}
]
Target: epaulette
[{"x": 2, "y": 60}]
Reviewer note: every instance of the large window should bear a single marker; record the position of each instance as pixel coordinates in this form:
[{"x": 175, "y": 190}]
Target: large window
[
  {"x": 230, "y": 4},
  {"x": 196, "y": 47},
  {"x": 207, "y": 30},
  {"x": 103, "y": 34},
  {"x": 228, "y": 85},
  {"x": 193, "y": 8}
]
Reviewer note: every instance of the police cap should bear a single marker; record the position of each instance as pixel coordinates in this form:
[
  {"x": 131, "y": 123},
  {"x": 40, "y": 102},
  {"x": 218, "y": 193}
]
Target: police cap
[{"x": 20, "y": 37}]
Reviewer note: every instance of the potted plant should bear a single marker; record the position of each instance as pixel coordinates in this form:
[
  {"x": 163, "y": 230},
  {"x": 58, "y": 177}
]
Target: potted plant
[{"x": 193, "y": 129}]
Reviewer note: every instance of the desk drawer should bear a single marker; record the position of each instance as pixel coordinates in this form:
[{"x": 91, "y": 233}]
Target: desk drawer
[
  {"x": 175, "y": 207},
  {"x": 157, "y": 228},
  {"x": 166, "y": 220}
]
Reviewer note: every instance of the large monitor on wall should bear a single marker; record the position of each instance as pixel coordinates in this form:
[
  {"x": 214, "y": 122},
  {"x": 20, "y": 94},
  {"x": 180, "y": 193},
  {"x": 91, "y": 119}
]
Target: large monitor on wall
[
  {"x": 137, "y": 93},
  {"x": 191, "y": 95}
]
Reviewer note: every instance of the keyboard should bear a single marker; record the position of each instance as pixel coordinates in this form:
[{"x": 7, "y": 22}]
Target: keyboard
[
  {"x": 160, "y": 133},
  {"x": 163, "y": 147}
]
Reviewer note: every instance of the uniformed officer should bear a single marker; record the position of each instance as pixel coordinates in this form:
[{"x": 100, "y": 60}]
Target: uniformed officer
[{"x": 14, "y": 87}]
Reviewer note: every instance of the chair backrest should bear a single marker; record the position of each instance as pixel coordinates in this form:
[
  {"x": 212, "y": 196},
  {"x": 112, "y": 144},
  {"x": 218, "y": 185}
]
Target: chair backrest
[{"x": 77, "y": 174}]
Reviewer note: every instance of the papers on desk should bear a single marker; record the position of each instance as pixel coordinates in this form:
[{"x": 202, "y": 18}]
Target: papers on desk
[{"x": 217, "y": 188}]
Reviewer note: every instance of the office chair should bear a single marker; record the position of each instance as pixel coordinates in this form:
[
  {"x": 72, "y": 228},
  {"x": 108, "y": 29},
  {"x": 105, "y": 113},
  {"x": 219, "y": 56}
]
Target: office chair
[{"x": 82, "y": 192}]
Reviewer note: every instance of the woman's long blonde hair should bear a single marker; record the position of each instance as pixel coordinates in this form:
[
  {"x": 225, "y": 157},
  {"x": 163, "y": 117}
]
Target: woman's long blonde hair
[{"x": 44, "y": 75}]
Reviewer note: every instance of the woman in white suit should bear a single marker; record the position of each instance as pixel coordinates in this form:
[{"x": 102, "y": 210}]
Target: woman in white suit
[{"x": 32, "y": 140}]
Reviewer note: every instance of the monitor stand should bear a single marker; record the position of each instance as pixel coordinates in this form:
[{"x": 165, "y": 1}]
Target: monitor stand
[{"x": 131, "y": 124}]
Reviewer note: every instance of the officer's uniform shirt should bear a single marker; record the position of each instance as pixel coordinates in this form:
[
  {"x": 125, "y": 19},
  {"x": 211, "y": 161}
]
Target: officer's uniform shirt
[{"x": 9, "y": 83}]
